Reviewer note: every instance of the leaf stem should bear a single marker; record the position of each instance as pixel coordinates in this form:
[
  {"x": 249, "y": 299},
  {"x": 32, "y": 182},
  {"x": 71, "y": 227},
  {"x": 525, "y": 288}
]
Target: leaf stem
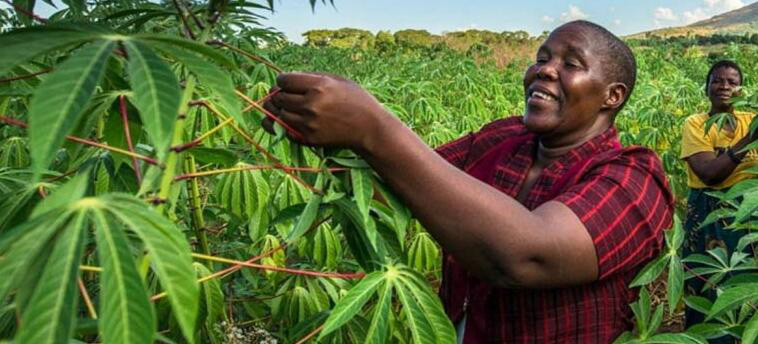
[
  {"x": 280, "y": 269},
  {"x": 311, "y": 335},
  {"x": 246, "y": 54},
  {"x": 87, "y": 300},
  {"x": 22, "y": 124},
  {"x": 197, "y": 141},
  {"x": 257, "y": 167},
  {"x": 294, "y": 132},
  {"x": 125, "y": 119},
  {"x": 260, "y": 149},
  {"x": 26, "y": 12},
  {"x": 28, "y": 76}
]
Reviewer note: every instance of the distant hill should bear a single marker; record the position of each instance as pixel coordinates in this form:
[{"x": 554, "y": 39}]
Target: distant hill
[{"x": 740, "y": 21}]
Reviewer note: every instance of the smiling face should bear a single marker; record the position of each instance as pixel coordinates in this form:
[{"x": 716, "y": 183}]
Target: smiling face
[
  {"x": 567, "y": 88},
  {"x": 722, "y": 85}
]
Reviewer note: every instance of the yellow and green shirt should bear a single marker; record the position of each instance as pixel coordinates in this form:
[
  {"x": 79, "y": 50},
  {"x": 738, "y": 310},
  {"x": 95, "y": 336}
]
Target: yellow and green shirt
[{"x": 695, "y": 140}]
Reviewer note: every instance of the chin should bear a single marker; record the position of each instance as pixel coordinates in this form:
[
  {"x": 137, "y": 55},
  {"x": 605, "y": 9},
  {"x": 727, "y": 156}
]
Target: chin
[{"x": 540, "y": 123}]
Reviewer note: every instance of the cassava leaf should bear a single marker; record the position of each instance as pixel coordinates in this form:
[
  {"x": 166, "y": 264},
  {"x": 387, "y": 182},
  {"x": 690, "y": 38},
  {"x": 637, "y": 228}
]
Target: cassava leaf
[
  {"x": 59, "y": 101},
  {"x": 170, "y": 255},
  {"x": 51, "y": 312},
  {"x": 156, "y": 94},
  {"x": 126, "y": 315},
  {"x": 352, "y": 302}
]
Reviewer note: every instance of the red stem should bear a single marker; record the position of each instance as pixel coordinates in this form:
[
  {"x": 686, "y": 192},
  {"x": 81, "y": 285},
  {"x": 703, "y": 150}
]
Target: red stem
[
  {"x": 21, "y": 124},
  {"x": 247, "y": 54},
  {"x": 26, "y": 12},
  {"x": 310, "y": 335},
  {"x": 267, "y": 167},
  {"x": 29, "y": 76},
  {"x": 125, "y": 119}
]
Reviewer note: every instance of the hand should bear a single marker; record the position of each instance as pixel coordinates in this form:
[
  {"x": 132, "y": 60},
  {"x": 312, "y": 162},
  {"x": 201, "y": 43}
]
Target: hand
[{"x": 326, "y": 110}]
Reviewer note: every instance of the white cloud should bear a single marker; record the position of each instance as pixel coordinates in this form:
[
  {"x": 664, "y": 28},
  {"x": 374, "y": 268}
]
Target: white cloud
[
  {"x": 664, "y": 13},
  {"x": 617, "y": 22},
  {"x": 724, "y": 5},
  {"x": 574, "y": 13},
  {"x": 548, "y": 19},
  {"x": 695, "y": 15},
  {"x": 711, "y": 8}
]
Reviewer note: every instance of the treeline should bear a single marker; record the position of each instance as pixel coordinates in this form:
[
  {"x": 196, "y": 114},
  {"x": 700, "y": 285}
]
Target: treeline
[
  {"x": 458, "y": 40},
  {"x": 697, "y": 40}
]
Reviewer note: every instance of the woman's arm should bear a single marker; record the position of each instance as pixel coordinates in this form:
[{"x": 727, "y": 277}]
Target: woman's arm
[
  {"x": 713, "y": 169},
  {"x": 488, "y": 232}
]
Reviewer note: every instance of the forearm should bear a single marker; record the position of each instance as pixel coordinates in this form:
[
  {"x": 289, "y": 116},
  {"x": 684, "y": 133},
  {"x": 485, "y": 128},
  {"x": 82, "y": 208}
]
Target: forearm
[
  {"x": 486, "y": 230},
  {"x": 713, "y": 169}
]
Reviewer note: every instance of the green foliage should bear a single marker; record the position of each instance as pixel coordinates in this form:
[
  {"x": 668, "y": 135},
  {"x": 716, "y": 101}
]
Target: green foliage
[{"x": 69, "y": 208}]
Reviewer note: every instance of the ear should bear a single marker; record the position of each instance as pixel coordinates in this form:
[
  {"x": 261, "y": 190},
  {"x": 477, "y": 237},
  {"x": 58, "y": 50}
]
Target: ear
[{"x": 615, "y": 95}]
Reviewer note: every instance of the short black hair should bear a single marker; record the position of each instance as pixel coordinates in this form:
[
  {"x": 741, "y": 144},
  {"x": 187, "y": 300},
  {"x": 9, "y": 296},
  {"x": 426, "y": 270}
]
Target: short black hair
[
  {"x": 620, "y": 64},
  {"x": 722, "y": 64}
]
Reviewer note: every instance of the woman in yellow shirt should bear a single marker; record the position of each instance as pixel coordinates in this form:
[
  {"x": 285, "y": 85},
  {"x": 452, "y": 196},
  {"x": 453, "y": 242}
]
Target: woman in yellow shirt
[{"x": 715, "y": 161}]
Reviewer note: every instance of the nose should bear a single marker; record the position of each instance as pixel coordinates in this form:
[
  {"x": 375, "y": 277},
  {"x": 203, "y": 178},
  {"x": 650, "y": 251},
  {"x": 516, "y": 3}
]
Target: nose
[{"x": 547, "y": 71}]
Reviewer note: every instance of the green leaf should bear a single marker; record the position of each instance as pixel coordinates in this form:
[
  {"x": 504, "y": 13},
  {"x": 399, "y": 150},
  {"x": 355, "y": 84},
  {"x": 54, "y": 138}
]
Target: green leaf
[
  {"x": 170, "y": 255},
  {"x": 65, "y": 195},
  {"x": 379, "y": 328},
  {"x": 309, "y": 214},
  {"x": 212, "y": 296},
  {"x": 23, "y": 7},
  {"x": 363, "y": 189},
  {"x": 352, "y": 302},
  {"x": 421, "y": 329},
  {"x": 156, "y": 94},
  {"x": 748, "y": 206},
  {"x": 750, "y": 335},
  {"x": 650, "y": 272},
  {"x": 216, "y": 156},
  {"x": 60, "y": 99},
  {"x": 51, "y": 313},
  {"x": 217, "y": 80},
  {"x": 675, "y": 286},
  {"x": 24, "y": 244},
  {"x": 201, "y": 49},
  {"x": 22, "y": 45},
  {"x": 430, "y": 304},
  {"x": 126, "y": 315},
  {"x": 675, "y": 338},
  {"x": 732, "y": 298}
]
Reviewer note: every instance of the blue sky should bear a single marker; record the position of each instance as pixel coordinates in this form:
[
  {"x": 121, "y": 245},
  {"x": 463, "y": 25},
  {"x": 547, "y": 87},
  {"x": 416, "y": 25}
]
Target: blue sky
[{"x": 293, "y": 17}]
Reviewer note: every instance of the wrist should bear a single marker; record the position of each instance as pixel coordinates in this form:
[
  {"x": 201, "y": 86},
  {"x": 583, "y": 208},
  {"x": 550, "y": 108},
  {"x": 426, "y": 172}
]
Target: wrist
[
  {"x": 381, "y": 131},
  {"x": 733, "y": 156}
]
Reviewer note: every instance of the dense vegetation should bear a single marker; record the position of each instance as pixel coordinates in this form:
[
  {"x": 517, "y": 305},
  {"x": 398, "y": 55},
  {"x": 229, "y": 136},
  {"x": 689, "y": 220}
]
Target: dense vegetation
[{"x": 145, "y": 203}]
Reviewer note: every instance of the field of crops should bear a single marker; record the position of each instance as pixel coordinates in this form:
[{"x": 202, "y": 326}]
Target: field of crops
[{"x": 141, "y": 201}]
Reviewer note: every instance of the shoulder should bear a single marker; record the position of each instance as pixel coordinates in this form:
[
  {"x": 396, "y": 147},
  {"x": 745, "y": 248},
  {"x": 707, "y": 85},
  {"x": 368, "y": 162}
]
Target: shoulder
[
  {"x": 744, "y": 116},
  {"x": 696, "y": 121},
  {"x": 634, "y": 169}
]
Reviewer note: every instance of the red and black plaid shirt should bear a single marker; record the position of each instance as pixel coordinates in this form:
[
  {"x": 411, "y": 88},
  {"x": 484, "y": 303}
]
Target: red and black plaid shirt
[{"x": 624, "y": 201}]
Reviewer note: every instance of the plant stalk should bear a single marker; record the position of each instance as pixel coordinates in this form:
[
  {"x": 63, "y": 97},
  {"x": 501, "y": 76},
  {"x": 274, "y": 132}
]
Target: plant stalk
[{"x": 173, "y": 157}]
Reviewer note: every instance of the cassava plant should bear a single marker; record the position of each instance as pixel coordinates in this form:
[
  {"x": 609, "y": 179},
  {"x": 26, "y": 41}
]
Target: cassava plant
[{"x": 136, "y": 176}]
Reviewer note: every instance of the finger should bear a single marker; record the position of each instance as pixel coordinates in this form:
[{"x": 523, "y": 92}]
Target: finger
[
  {"x": 268, "y": 125},
  {"x": 271, "y": 107},
  {"x": 289, "y": 101},
  {"x": 298, "y": 83}
]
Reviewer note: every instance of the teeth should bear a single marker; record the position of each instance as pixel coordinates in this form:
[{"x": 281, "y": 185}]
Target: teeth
[{"x": 542, "y": 95}]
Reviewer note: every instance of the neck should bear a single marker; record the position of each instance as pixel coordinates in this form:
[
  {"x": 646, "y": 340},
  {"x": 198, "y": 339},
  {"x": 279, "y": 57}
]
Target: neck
[
  {"x": 550, "y": 149},
  {"x": 721, "y": 109}
]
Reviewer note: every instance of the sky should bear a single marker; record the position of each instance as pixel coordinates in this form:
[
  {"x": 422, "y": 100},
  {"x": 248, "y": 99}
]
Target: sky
[{"x": 293, "y": 17}]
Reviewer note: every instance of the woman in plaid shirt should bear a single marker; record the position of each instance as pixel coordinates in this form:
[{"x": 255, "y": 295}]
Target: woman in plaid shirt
[{"x": 544, "y": 219}]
